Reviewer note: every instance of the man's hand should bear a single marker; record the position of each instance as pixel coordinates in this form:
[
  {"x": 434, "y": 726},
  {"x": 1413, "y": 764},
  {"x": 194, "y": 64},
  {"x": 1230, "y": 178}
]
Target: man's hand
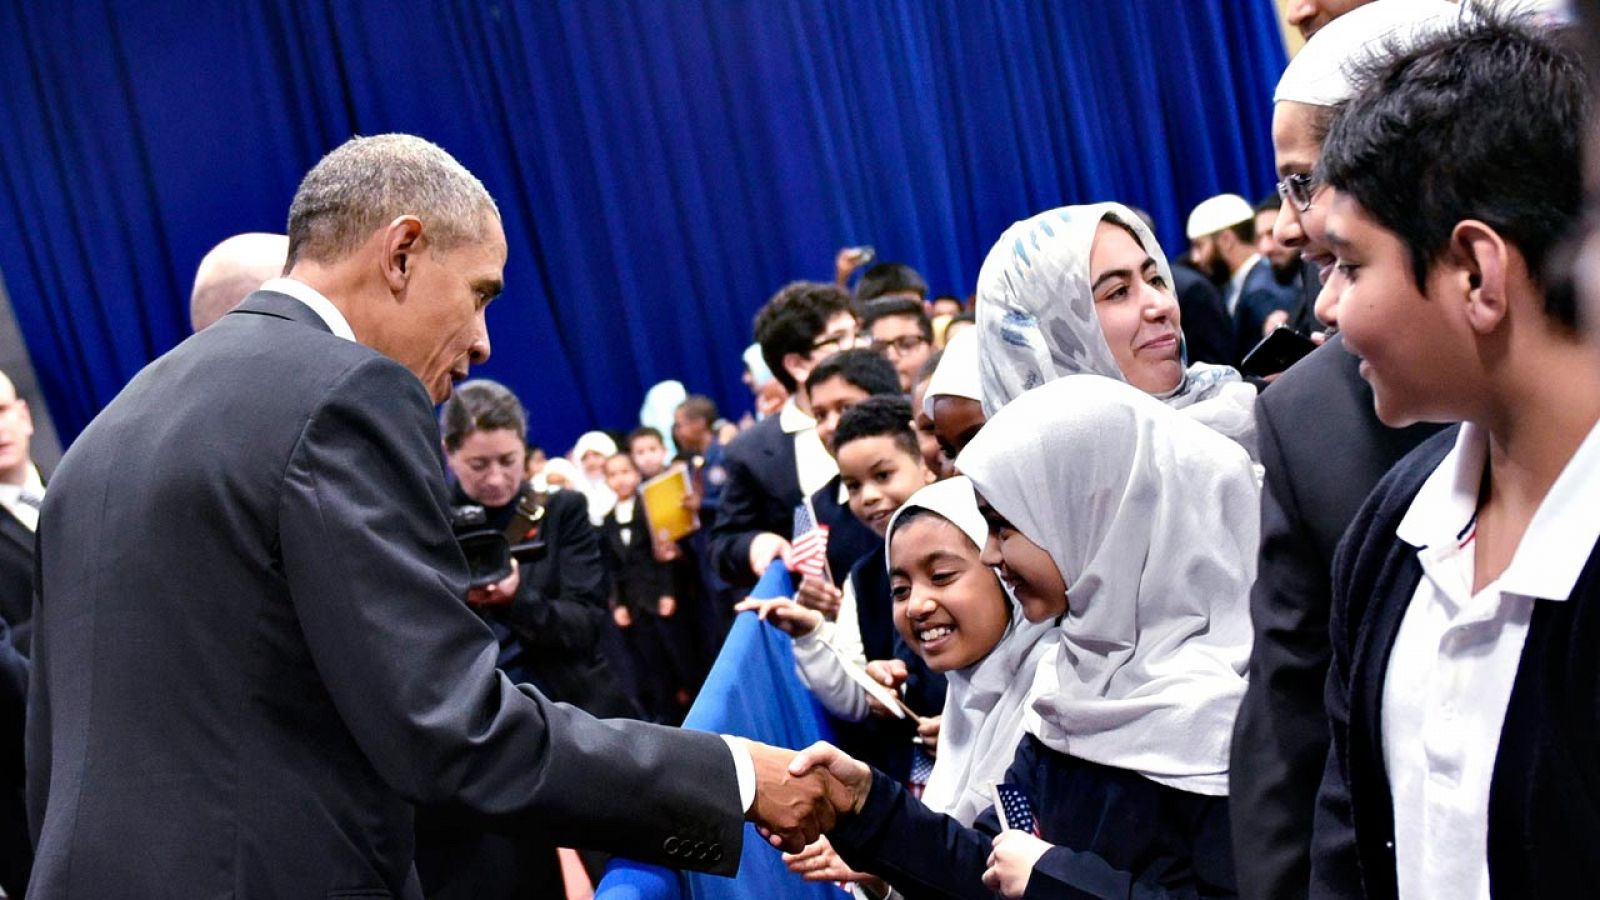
[
  {"x": 819, "y": 594},
  {"x": 852, "y": 776},
  {"x": 666, "y": 606},
  {"x": 792, "y": 808},
  {"x": 846, "y": 262},
  {"x": 621, "y": 616},
  {"x": 789, "y": 617},
  {"x": 765, "y": 548},
  {"x": 1011, "y": 863},
  {"x": 498, "y": 594}
]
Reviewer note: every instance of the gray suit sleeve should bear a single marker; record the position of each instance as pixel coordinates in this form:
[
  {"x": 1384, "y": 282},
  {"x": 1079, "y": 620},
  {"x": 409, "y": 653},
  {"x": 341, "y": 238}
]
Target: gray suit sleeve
[{"x": 377, "y": 582}]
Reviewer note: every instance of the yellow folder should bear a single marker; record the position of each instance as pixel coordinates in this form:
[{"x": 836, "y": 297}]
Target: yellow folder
[{"x": 663, "y": 504}]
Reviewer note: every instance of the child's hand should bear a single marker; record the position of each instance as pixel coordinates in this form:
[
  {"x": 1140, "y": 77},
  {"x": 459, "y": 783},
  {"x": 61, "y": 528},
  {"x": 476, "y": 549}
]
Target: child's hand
[
  {"x": 1011, "y": 864},
  {"x": 790, "y": 617},
  {"x": 665, "y": 549},
  {"x": 891, "y": 673},
  {"x": 621, "y": 616},
  {"x": 666, "y": 606},
  {"x": 928, "y": 731},
  {"x": 819, "y": 594},
  {"x": 820, "y": 862}
]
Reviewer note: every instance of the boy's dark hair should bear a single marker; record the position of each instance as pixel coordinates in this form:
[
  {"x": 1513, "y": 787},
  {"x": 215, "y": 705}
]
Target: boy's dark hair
[
  {"x": 890, "y": 278},
  {"x": 928, "y": 368},
  {"x": 874, "y": 310},
  {"x": 953, "y": 299},
  {"x": 480, "y": 405},
  {"x": 1480, "y": 121},
  {"x": 866, "y": 369},
  {"x": 878, "y": 417},
  {"x": 792, "y": 321},
  {"x": 699, "y": 406},
  {"x": 623, "y": 455},
  {"x": 643, "y": 431}
]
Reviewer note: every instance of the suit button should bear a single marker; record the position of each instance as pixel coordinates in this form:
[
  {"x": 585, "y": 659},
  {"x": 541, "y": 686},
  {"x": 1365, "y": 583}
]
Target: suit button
[
  {"x": 716, "y": 855},
  {"x": 670, "y": 845}
]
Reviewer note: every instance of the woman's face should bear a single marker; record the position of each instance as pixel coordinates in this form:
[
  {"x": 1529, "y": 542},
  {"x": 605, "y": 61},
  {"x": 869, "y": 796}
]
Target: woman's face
[
  {"x": 948, "y": 606},
  {"x": 489, "y": 466},
  {"x": 1025, "y": 566},
  {"x": 1137, "y": 309}
]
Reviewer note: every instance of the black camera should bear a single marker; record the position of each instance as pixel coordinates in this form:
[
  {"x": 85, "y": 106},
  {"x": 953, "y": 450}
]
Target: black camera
[{"x": 487, "y": 550}]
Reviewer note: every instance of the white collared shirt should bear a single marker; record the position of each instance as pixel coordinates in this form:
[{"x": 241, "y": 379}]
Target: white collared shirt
[
  {"x": 1236, "y": 283},
  {"x": 319, "y": 304},
  {"x": 1456, "y": 656},
  {"x": 11, "y": 497},
  {"x": 814, "y": 466}
]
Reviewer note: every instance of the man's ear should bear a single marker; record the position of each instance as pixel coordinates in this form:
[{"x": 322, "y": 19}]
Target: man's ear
[
  {"x": 1485, "y": 262},
  {"x": 402, "y": 241}
]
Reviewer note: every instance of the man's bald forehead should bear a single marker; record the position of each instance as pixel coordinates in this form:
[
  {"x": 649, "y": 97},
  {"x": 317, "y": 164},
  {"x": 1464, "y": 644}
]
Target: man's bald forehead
[{"x": 231, "y": 270}]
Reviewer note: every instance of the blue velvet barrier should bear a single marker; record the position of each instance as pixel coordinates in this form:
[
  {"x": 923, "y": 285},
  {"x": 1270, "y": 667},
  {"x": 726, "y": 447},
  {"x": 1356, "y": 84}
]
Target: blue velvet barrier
[{"x": 752, "y": 691}]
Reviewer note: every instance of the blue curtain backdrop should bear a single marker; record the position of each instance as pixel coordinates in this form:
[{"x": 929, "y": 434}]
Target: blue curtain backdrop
[{"x": 662, "y": 165}]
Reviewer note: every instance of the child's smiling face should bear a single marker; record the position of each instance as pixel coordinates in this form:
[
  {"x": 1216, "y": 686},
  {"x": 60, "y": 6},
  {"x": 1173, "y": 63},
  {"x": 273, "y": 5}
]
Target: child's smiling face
[
  {"x": 879, "y": 475},
  {"x": 1025, "y": 566},
  {"x": 948, "y": 606}
]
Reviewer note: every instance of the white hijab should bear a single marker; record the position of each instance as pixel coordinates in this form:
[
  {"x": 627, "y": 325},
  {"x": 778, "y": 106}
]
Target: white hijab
[
  {"x": 595, "y": 490},
  {"x": 957, "y": 372},
  {"x": 1037, "y": 322},
  {"x": 1153, "y": 520},
  {"x": 985, "y": 703}
]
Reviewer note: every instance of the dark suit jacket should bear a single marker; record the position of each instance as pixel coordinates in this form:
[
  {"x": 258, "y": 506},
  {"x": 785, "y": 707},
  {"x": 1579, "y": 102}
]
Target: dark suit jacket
[
  {"x": 16, "y": 851},
  {"x": 760, "y": 494},
  {"x": 638, "y": 580},
  {"x": 1544, "y": 795},
  {"x": 1207, "y": 330},
  {"x": 1323, "y": 449},
  {"x": 16, "y": 578},
  {"x": 267, "y": 660},
  {"x": 1117, "y": 834}
]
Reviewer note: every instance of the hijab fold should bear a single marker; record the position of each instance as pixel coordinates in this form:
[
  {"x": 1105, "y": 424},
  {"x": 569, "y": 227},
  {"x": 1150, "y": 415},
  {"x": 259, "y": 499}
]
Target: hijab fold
[
  {"x": 985, "y": 703},
  {"x": 1153, "y": 520}
]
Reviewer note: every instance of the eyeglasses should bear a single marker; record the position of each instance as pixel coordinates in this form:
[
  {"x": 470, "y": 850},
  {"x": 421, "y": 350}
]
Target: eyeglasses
[
  {"x": 1297, "y": 189},
  {"x": 834, "y": 342},
  {"x": 906, "y": 343}
]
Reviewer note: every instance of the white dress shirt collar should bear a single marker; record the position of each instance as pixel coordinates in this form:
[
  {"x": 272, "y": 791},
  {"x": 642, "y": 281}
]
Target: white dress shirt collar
[
  {"x": 791, "y": 418},
  {"x": 9, "y": 493},
  {"x": 1560, "y": 537},
  {"x": 319, "y": 304}
]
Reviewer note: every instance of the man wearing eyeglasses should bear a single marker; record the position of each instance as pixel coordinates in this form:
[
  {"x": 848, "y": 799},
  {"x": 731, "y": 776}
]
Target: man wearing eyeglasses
[
  {"x": 900, "y": 330},
  {"x": 780, "y": 461}
]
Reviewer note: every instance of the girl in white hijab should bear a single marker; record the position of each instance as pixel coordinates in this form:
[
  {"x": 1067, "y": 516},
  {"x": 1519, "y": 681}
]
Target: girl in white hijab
[
  {"x": 953, "y": 611},
  {"x": 1087, "y": 290},
  {"x": 1134, "y": 528},
  {"x": 589, "y": 454}
]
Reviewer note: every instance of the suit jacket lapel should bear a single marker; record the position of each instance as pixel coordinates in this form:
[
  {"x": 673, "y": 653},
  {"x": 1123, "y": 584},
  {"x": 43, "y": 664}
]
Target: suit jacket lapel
[
  {"x": 12, "y": 528},
  {"x": 282, "y": 306}
]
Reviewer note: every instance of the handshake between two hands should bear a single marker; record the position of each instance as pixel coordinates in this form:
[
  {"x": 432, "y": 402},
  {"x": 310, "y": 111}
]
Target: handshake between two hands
[{"x": 800, "y": 795}]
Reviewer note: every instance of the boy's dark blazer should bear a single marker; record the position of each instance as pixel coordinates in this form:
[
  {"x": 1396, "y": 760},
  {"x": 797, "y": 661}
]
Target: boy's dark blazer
[{"x": 761, "y": 492}]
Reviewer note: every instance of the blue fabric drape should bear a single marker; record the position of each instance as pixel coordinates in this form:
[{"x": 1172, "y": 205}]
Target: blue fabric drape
[
  {"x": 753, "y": 692},
  {"x": 662, "y": 167}
]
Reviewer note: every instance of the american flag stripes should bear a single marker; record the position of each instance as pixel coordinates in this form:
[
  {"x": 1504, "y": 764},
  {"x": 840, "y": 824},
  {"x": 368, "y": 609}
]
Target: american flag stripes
[
  {"x": 809, "y": 548},
  {"x": 1014, "y": 810}
]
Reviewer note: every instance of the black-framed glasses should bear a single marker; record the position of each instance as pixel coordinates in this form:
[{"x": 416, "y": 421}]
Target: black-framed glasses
[
  {"x": 1297, "y": 189},
  {"x": 832, "y": 342},
  {"x": 905, "y": 343}
]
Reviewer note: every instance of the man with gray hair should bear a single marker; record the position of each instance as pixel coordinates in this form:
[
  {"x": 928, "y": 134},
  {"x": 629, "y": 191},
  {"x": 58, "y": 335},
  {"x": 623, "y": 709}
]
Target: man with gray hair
[
  {"x": 232, "y": 271},
  {"x": 265, "y": 660}
]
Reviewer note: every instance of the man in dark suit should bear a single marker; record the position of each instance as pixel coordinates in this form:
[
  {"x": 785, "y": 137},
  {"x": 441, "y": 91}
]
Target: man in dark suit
[
  {"x": 16, "y": 851},
  {"x": 265, "y": 662},
  {"x": 21, "y": 492},
  {"x": 776, "y": 463},
  {"x": 1322, "y": 449}
]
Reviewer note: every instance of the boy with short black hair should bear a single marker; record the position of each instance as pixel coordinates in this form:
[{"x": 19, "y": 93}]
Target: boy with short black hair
[
  {"x": 645, "y": 446},
  {"x": 900, "y": 330},
  {"x": 1466, "y": 607}
]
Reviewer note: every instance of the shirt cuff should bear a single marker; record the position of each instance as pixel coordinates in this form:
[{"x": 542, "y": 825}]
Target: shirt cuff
[{"x": 745, "y": 767}]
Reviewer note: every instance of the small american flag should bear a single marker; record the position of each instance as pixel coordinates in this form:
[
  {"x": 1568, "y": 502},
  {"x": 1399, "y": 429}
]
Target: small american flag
[
  {"x": 1014, "y": 810},
  {"x": 809, "y": 548}
]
